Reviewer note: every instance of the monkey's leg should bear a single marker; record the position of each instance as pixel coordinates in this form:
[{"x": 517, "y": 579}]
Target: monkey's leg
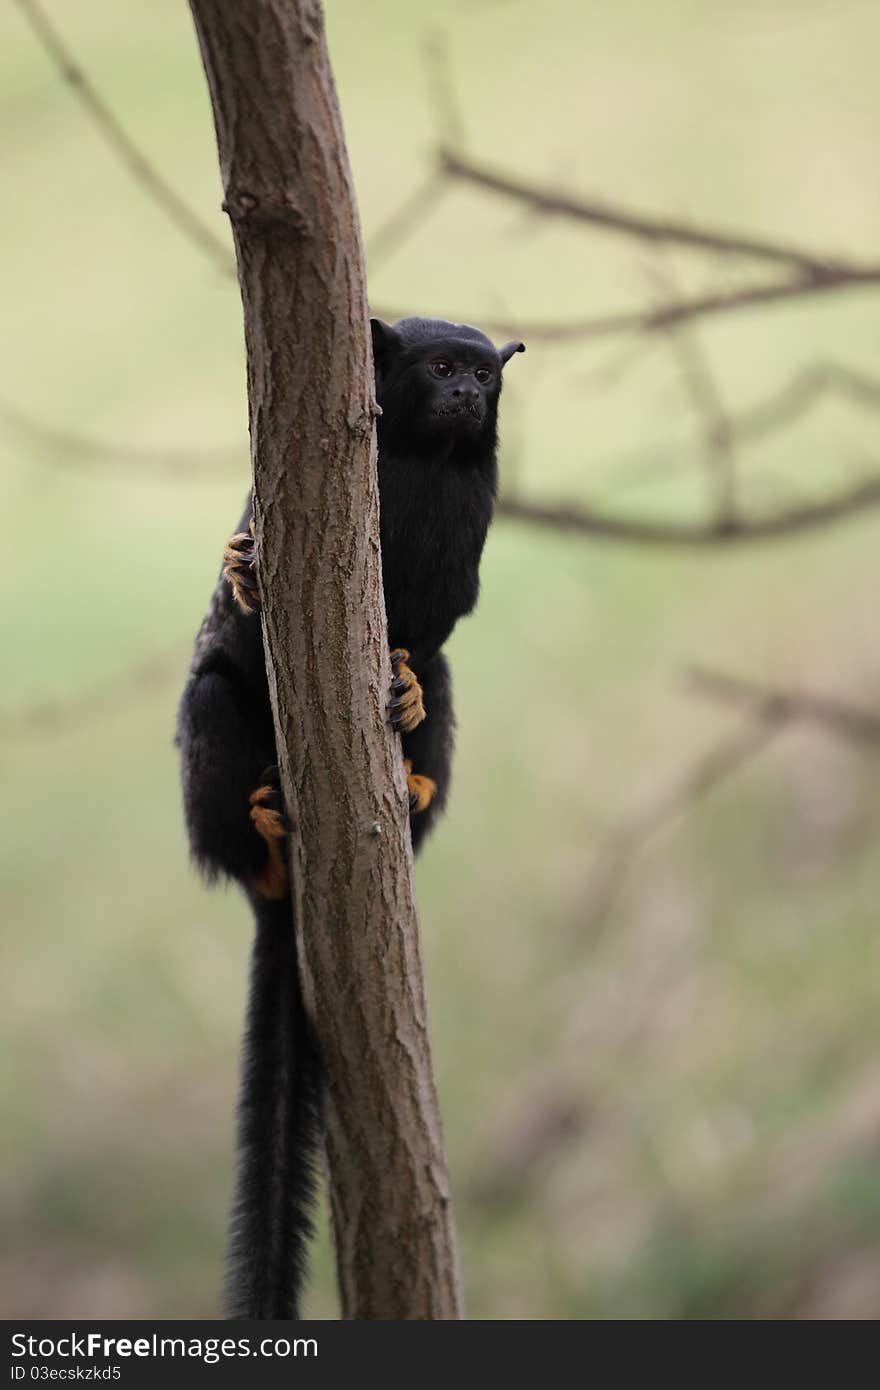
[
  {"x": 239, "y": 569},
  {"x": 270, "y": 822},
  {"x": 225, "y": 741},
  {"x": 406, "y": 709},
  {"x": 422, "y": 790},
  {"x": 428, "y": 751}
]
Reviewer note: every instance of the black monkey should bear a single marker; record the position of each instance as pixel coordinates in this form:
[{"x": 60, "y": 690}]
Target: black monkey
[{"x": 438, "y": 385}]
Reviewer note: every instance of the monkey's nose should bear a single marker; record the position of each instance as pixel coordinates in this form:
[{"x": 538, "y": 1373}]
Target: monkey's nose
[{"x": 468, "y": 395}]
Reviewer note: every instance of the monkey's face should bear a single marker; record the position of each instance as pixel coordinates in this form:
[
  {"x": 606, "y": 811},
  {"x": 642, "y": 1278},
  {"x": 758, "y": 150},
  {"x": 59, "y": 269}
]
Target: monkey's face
[
  {"x": 437, "y": 382},
  {"x": 459, "y": 388}
]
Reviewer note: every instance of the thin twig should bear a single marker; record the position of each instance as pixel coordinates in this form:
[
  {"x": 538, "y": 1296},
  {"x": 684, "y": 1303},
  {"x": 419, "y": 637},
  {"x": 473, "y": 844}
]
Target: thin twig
[
  {"x": 818, "y": 275},
  {"x": 666, "y": 231},
  {"x": 440, "y": 88},
  {"x": 158, "y": 188},
  {"x": 719, "y": 440},
  {"x": 405, "y": 219},
  {"x": 665, "y": 316},
  {"x": 778, "y": 410},
  {"x": 627, "y": 840},
  {"x": 717, "y": 533},
  {"x": 618, "y": 366},
  {"x": 786, "y": 405},
  {"x": 835, "y": 715},
  {"x": 147, "y": 464}
]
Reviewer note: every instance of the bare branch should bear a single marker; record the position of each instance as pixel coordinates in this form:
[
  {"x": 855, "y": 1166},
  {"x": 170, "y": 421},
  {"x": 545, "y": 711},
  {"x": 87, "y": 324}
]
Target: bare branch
[
  {"x": 719, "y": 439},
  {"x": 769, "y": 711},
  {"x": 179, "y": 212},
  {"x": 620, "y": 363},
  {"x": 384, "y": 242},
  {"x": 777, "y": 411},
  {"x": 72, "y": 449},
  {"x": 439, "y": 85},
  {"x": 665, "y": 231},
  {"x": 717, "y": 533},
  {"x": 840, "y": 718},
  {"x": 785, "y": 406},
  {"x": 626, "y": 841},
  {"x": 400, "y": 224},
  {"x": 677, "y": 311}
]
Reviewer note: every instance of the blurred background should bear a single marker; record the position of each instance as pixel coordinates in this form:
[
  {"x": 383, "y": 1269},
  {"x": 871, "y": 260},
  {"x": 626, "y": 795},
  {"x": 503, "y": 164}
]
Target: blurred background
[{"x": 650, "y": 916}]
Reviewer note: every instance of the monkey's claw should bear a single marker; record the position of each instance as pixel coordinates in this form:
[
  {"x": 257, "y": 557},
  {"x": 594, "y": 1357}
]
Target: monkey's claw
[
  {"x": 271, "y": 824},
  {"x": 421, "y": 789},
  {"x": 239, "y": 570},
  {"x": 406, "y": 709}
]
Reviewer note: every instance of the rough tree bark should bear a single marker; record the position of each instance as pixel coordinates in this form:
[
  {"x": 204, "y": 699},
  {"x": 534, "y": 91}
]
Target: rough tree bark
[{"x": 289, "y": 196}]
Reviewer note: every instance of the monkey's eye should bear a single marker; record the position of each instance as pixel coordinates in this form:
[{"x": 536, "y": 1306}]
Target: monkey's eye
[
  {"x": 442, "y": 368},
  {"x": 483, "y": 374}
]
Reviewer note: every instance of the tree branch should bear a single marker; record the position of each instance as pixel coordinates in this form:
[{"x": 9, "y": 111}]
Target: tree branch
[
  {"x": 719, "y": 436},
  {"x": 145, "y": 463},
  {"x": 777, "y": 411},
  {"x": 289, "y": 195},
  {"x": 675, "y": 311},
  {"x": 663, "y": 231},
  {"x": 786, "y": 406},
  {"x": 846, "y": 720},
  {"x": 158, "y": 188},
  {"x": 403, "y": 220},
  {"x": 626, "y": 841},
  {"x": 719, "y": 532},
  {"x": 769, "y": 710}
]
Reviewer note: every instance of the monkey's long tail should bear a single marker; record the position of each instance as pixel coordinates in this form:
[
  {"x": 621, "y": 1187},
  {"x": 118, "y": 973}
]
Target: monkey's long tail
[{"x": 278, "y": 1132}]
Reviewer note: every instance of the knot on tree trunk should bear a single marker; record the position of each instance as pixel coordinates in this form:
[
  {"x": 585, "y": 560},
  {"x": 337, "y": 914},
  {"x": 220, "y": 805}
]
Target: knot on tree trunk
[{"x": 274, "y": 211}]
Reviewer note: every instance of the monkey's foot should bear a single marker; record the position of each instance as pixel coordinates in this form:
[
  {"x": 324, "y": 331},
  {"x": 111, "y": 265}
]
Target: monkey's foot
[
  {"x": 406, "y": 709},
  {"x": 421, "y": 789},
  {"x": 270, "y": 823},
  {"x": 239, "y": 571}
]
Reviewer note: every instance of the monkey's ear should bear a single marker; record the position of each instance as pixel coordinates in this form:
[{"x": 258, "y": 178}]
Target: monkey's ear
[
  {"x": 385, "y": 340},
  {"x": 508, "y": 350}
]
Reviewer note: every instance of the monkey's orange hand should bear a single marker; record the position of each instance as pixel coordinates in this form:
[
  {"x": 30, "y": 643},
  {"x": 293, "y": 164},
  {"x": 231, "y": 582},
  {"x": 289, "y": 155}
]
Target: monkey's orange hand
[
  {"x": 239, "y": 571},
  {"x": 406, "y": 709},
  {"x": 270, "y": 823}
]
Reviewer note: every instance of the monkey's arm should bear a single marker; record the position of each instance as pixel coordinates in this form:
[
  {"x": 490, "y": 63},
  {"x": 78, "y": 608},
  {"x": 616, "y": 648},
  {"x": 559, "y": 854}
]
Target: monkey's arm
[{"x": 427, "y": 750}]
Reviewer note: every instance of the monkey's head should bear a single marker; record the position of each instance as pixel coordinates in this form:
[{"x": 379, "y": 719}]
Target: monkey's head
[{"x": 437, "y": 382}]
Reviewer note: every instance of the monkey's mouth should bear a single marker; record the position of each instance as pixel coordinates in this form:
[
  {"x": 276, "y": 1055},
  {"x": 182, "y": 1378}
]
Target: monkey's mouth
[{"x": 469, "y": 414}]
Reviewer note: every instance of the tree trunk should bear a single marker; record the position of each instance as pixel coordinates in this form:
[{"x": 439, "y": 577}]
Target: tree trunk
[{"x": 289, "y": 196}]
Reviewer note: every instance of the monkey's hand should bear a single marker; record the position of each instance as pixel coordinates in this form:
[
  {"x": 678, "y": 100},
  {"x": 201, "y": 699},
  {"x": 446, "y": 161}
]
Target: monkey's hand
[
  {"x": 421, "y": 789},
  {"x": 239, "y": 571},
  {"x": 406, "y": 709},
  {"x": 270, "y": 823}
]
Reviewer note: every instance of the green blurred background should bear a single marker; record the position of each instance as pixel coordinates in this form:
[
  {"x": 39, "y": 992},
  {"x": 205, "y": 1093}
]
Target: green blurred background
[{"x": 669, "y": 1108}]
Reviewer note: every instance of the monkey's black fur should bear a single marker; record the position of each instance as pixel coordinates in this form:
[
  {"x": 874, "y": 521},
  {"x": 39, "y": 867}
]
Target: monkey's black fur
[{"x": 438, "y": 385}]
